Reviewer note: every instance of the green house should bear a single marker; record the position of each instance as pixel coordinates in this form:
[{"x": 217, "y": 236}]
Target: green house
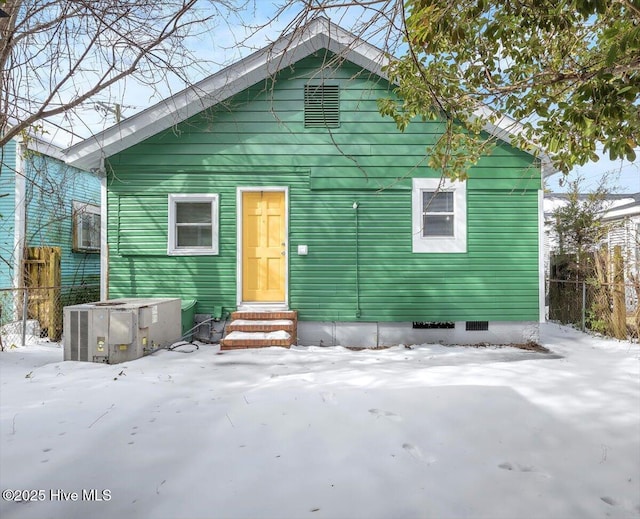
[{"x": 276, "y": 185}]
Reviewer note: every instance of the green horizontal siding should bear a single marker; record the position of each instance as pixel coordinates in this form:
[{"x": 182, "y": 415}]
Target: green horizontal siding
[{"x": 258, "y": 139}]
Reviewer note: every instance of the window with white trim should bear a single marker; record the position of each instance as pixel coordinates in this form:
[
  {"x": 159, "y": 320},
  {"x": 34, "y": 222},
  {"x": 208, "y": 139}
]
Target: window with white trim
[
  {"x": 86, "y": 227},
  {"x": 439, "y": 216},
  {"x": 193, "y": 224}
]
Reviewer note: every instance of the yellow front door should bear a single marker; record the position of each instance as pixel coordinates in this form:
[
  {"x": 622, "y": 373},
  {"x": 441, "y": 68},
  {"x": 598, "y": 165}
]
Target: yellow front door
[{"x": 264, "y": 246}]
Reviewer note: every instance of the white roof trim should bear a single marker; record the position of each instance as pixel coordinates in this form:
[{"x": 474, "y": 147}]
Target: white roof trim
[
  {"x": 45, "y": 148},
  {"x": 319, "y": 34},
  {"x": 40, "y": 145},
  {"x": 507, "y": 127},
  {"x": 618, "y": 213}
]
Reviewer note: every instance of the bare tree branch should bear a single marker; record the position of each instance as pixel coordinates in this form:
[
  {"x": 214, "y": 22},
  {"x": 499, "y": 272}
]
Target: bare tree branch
[{"x": 57, "y": 54}]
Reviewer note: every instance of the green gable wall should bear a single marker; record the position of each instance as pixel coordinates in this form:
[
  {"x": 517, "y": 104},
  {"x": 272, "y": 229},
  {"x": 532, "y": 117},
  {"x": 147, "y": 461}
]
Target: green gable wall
[{"x": 365, "y": 271}]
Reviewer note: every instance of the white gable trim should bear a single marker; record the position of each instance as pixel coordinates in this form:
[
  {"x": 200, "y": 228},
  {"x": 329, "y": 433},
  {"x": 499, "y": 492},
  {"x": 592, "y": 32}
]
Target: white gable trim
[
  {"x": 32, "y": 142},
  {"x": 45, "y": 148},
  {"x": 505, "y": 128}
]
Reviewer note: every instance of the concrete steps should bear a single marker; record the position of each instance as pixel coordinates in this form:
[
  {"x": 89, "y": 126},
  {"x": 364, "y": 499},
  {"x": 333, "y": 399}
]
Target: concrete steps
[{"x": 261, "y": 330}]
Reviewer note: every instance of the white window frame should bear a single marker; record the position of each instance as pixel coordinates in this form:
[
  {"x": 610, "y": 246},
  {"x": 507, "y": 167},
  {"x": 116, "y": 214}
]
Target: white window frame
[
  {"x": 80, "y": 209},
  {"x": 438, "y": 244},
  {"x": 172, "y": 248}
]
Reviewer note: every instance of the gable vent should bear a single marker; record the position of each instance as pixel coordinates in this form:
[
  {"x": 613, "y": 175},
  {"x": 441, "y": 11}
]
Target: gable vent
[{"x": 321, "y": 106}]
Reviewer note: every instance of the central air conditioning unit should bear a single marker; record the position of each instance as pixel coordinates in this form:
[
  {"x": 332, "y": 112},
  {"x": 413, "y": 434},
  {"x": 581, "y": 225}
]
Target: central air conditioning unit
[{"x": 119, "y": 330}]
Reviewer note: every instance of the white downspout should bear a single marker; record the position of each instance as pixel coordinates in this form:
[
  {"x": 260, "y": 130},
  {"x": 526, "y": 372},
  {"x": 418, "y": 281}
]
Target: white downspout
[
  {"x": 20, "y": 218},
  {"x": 541, "y": 257}
]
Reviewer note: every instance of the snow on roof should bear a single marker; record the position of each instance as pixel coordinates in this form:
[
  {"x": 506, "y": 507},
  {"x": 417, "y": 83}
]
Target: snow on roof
[
  {"x": 626, "y": 207},
  {"x": 615, "y": 206}
]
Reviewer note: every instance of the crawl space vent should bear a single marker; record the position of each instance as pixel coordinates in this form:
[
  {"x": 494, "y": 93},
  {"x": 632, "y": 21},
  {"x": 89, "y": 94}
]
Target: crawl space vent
[
  {"x": 321, "y": 106},
  {"x": 431, "y": 325},
  {"x": 477, "y": 326}
]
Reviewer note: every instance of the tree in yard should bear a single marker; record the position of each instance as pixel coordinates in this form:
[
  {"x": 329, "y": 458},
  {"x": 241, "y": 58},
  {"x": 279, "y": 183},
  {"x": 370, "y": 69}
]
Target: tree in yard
[
  {"x": 567, "y": 70},
  {"x": 579, "y": 224},
  {"x": 582, "y": 257},
  {"x": 57, "y": 54}
]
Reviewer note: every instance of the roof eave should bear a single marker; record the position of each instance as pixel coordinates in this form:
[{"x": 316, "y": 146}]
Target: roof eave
[
  {"x": 506, "y": 128},
  {"x": 40, "y": 145}
]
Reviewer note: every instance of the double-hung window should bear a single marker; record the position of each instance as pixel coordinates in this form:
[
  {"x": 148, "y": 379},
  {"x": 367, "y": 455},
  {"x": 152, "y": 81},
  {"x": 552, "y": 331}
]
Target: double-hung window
[
  {"x": 86, "y": 227},
  {"x": 439, "y": 215},
  {"x": 193, "y": 224}
]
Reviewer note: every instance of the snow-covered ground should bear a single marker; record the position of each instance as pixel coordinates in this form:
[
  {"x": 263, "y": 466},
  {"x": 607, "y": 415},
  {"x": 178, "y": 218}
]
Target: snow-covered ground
[{"x": 428, "y": 431}]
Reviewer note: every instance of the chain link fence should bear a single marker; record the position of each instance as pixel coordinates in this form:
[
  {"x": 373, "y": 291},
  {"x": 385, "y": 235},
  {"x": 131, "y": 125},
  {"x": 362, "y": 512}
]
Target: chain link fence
[
  {"x": 37, "y": 312},
  {"x": 595, "y": 306}
]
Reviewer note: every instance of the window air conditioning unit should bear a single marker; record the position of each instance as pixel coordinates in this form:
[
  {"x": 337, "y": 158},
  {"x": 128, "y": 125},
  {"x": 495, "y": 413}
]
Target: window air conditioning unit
[{"x": 120, "y": 330}]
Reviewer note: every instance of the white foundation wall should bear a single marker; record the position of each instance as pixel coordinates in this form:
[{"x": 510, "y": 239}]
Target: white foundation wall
[{"x": 374, "y": 334}]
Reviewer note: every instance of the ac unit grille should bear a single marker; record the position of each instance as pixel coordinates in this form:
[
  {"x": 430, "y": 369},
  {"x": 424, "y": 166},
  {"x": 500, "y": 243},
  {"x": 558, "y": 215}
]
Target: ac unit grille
[
  {"x": 79, "y": 335},
  {"x": 84, "y": 335},
  {"x": 73, "y": 335}
]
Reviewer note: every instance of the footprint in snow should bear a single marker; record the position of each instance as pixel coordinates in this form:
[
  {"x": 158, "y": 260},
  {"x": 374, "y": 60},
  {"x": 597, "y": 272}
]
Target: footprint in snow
[
  {"x": 328, "y": 396},
  {"x": 416, "y": 453},
  {"x": 609, "y": 500},
  {"x": 386, "y": 414},
  {"x": 521, "y": 468}
]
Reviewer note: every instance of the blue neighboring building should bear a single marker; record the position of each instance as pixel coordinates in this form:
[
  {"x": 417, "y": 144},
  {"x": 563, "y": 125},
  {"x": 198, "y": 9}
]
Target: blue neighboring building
[{"x": 47, "y": 203}]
